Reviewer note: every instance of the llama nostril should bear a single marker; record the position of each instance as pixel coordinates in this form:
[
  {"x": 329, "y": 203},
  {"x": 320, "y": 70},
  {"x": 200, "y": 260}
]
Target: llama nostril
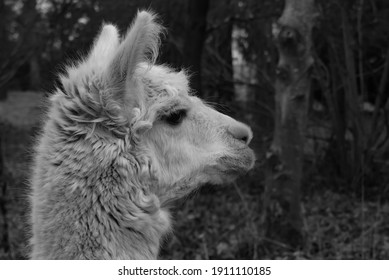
[{"x": 241, "y": 132}]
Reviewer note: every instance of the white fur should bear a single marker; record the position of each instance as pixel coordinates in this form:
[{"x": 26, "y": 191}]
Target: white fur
[{"x": 108, "y": 163}]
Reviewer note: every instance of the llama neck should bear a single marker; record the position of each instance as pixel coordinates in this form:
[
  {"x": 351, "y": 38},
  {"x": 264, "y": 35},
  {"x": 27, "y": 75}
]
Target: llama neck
[
  {"x": 91, "y": 192},
  {"x": 134, "y": 216}
]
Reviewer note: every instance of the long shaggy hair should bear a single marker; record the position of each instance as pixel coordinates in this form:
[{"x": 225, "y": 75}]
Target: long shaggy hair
[{"x": 122, "y": 139}]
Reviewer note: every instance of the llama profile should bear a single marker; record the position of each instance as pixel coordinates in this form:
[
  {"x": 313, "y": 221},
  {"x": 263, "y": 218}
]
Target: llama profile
[{"x": 124, "y": 138}]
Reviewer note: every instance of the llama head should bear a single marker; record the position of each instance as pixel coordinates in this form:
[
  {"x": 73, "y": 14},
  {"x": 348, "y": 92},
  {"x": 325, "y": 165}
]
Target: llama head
[{"x": 179, "y": 142}]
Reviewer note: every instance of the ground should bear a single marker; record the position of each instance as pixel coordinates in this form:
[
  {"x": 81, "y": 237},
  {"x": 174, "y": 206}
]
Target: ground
[{"x": 215, "y": 223}]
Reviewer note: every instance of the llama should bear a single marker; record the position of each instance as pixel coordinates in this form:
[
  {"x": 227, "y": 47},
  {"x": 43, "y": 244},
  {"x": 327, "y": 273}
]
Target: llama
[{"x": 123, "y": 139}]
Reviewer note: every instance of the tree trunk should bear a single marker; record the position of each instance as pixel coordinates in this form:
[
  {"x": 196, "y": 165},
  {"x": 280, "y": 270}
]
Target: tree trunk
[
  {"x": 35, "y": 82},
  {"x": 194, "y": 40},
  {"x": 226, "y": 86},
  {"x": 4, "y": 50},
  {"x": 352, "y": 109},
  {"x": 219, "y": 50},
  {"x": 282, "y": 215},
  {"x": 4, "y": 240}
]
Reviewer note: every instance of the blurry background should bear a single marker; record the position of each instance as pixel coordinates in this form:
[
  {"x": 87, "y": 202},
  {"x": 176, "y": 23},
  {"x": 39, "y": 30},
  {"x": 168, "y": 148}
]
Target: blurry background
[{"x": 228, "y": 47}]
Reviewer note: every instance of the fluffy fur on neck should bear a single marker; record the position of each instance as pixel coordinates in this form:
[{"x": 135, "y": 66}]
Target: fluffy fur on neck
[{"x": 94, "y": 199}]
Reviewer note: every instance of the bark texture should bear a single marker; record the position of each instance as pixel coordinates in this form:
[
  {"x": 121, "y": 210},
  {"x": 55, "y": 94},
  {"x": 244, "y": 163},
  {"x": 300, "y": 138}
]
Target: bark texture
[{"x": 282, "y": 215}]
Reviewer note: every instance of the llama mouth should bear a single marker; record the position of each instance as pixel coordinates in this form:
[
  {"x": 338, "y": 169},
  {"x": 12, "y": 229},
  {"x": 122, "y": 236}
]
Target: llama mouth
[{"x": 239, "y": 163}]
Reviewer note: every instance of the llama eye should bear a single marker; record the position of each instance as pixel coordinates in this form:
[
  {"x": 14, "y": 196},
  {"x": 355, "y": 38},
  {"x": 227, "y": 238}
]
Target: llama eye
[{"x": 175, "y": 118}]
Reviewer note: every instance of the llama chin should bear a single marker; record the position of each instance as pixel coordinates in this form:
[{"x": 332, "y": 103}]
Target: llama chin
[{"x": 122, "y": 138}]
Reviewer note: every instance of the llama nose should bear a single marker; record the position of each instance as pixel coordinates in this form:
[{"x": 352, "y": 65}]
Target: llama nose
[{"x": 241, "y": 132}]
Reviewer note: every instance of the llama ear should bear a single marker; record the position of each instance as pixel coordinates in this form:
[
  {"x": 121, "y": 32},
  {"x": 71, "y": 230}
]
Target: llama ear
[
  {"x": 140, "y": 44},
  {"x": 104, "y": 47},
  {"x": 102, "y": 53}
]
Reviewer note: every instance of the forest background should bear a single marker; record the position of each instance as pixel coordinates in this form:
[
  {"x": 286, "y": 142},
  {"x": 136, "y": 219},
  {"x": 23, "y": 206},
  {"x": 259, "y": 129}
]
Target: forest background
[{"x": 229, "y": 48}]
